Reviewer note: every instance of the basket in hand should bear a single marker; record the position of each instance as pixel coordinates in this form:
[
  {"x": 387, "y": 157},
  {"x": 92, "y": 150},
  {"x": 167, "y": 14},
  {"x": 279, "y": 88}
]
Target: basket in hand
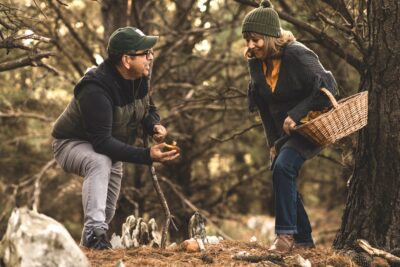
[{"x": 347, "y": 116}]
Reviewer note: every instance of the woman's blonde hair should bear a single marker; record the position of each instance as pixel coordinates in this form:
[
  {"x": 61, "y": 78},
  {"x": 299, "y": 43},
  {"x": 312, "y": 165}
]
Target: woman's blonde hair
[{"x": 273, "y": 46}]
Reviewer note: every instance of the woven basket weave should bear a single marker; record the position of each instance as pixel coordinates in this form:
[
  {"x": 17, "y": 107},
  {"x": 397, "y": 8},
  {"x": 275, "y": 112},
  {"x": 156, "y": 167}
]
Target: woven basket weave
[{"x": 347, "y": 116}]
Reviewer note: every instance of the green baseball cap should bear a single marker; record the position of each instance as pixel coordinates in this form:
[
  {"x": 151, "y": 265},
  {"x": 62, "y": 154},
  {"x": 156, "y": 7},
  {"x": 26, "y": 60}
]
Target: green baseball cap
[{"x": 130, "y": 38}]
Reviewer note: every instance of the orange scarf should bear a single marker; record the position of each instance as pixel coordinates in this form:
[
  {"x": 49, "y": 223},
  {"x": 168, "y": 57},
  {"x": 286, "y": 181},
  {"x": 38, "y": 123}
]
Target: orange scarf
[{"x": 273, "y": 79}]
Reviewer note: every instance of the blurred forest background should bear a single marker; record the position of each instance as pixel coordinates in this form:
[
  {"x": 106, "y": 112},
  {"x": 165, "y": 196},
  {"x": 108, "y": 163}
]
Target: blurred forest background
[{"x": 199, "y": 84}]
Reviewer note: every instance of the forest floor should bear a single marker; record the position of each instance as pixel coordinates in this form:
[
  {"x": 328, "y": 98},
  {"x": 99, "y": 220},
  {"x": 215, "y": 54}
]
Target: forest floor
[{"x": 325, "y": 224}]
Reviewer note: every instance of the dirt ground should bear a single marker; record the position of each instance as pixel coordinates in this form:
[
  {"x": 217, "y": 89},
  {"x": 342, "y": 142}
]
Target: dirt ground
[
  {"x": 215, "y": 255},
  {"x": 325, "y": 225}
]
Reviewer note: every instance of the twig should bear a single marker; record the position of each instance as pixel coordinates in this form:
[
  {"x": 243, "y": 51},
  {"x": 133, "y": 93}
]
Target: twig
[
  {"x": 377, "y": 252},
  {"x": 38, "y": 7},
  {"x": 38, "y": 177},
  {"x": 25, "y": 115},
  {"x": 74, "y": 34},
  {"x": 331, "y": 159},
  {"x": 237, "y": 133},
  {"x": 168, "y": 217},
  {"x": 25, "y": 61}
]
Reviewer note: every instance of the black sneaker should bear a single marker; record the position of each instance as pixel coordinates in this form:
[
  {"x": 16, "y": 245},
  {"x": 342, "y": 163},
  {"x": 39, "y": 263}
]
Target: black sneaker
[{"x": 97, "y": 239}]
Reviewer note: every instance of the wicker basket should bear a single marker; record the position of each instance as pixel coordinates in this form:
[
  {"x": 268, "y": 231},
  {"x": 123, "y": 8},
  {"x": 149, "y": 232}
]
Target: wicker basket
[{"x": 347, "y": 116}]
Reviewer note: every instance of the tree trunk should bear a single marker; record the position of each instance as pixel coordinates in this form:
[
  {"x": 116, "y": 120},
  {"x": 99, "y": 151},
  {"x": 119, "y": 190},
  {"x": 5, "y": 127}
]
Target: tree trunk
[
  {"x": 373, "y": 206},
  {"x": 114, "y": 14}
]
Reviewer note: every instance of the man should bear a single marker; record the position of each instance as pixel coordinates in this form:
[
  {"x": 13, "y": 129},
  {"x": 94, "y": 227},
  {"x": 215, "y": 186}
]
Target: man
[{"x": 93, "y": 135}]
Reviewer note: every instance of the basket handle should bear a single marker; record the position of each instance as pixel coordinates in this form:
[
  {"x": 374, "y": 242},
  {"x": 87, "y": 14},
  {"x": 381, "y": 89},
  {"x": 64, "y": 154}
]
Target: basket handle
[{"x": 330, "y": 96}]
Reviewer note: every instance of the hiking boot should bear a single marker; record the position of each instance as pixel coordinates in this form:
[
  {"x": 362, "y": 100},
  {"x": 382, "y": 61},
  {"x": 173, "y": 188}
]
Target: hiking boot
[
  {"x": 97, "y": 239},
  {"x": 283, "y": 244}
]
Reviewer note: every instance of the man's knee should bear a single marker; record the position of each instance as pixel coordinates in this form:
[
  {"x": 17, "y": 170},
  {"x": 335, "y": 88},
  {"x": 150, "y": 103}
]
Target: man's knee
[{"x": 99, "y": 162}]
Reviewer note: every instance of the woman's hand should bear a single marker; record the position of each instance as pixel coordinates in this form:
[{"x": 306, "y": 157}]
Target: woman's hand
[
  {"x": 157, "y": 154},
  {"x": 159, "y": 133},
  {"x": 272, "y": 153},
  {"x": 288, "y": 125}
]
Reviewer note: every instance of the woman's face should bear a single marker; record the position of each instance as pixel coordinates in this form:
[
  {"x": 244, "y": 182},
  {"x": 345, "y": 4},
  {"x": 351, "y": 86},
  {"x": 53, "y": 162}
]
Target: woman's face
[{"x": 256, "y": 45}]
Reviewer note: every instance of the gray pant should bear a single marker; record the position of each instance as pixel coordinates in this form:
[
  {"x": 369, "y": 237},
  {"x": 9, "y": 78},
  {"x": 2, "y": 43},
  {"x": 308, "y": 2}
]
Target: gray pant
[{"x": 101, "y": 184}]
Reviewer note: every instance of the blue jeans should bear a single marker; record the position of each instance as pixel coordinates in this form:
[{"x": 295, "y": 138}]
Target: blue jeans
[{"x": 291, "y": 217}]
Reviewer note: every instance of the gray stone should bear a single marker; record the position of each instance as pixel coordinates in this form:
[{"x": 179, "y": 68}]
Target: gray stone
[{"x": 33, "y": 239}]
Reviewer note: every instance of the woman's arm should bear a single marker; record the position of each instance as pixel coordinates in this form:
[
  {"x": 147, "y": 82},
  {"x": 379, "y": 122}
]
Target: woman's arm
[{"x": 314, "y": 77}]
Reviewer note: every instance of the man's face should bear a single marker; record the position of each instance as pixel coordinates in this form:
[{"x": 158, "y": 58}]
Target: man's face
[{"x": 139, "y": 63}]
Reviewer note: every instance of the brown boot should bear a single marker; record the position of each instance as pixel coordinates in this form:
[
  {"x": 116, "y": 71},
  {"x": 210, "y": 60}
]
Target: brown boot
[{"x": 283, "y": 244}]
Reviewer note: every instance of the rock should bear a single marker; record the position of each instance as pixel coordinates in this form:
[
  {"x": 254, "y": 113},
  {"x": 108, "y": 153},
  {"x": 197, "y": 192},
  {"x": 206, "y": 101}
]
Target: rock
[
  {"x": 190, "y": 245},
  {"x": 173, "y": 246},
  {"x": 297, "y": 261},
  {"x": 33, "y": 239},
  {"x": 242, "y": 253},
  {"x": 212, "y": 240},
  {"x": 267, "y": 264},
  {"x": 207, "y": 259},
  {"x": 253, "y": 239},
  {"x": 120, "y": 263}
]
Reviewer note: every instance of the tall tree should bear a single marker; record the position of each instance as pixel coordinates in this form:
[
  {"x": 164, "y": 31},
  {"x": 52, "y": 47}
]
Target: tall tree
[{"x": 373, "y": 205}]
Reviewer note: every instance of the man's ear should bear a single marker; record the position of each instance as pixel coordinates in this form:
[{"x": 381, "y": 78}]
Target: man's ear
[{"x": 124, "y": 62}]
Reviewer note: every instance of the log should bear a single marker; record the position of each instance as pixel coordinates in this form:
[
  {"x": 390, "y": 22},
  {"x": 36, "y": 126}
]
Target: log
[{"x": 377, "y": 252}]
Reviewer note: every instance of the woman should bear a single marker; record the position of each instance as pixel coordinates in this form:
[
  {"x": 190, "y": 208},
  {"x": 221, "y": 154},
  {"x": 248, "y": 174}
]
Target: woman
[{"x": 286, "y": 78}]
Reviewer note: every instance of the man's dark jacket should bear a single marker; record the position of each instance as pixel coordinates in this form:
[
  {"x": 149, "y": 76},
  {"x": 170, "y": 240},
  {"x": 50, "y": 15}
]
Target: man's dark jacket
[{"x": 107, "y": 110}]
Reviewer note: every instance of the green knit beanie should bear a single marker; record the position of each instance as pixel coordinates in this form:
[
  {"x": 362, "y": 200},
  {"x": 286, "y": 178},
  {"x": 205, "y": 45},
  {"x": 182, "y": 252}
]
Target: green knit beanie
[{"x": 263, "y": 20}]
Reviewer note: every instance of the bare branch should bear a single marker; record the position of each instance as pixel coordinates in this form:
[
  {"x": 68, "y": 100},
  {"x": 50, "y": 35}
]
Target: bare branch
[
  {"x": 331, "y": 159},
  {"x": 29, "y": 115},
  {"x": 38, "y": 177},
  {"x": 325, "y": 40},
  {"x": 236, "y": 134},
  {"x": 360, "y": 43},
  {"x": 30, "y": 60},
  {"x": 7, "y": 25},
  {"x": 74, "y": 34},
  {"x": 340, "y": 6}
]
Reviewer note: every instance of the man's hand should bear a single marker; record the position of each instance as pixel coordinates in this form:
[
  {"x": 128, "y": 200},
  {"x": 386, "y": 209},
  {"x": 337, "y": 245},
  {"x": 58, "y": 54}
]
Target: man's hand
[
  {"x": 288, "y": 125},
  {"x": 157, "y": 154},
  {"x": 159, "y": 133}
]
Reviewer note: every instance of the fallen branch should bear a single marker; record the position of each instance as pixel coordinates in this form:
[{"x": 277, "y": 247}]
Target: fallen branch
[{"x": 377, "y": 252}]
